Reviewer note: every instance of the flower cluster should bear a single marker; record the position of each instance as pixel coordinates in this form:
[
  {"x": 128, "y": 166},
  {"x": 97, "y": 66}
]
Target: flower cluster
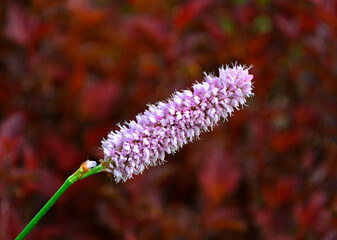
[{"x": 167, "y": 126}]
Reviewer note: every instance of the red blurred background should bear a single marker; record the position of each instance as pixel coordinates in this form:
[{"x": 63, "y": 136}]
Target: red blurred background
[{"x": 71, "y": 70}]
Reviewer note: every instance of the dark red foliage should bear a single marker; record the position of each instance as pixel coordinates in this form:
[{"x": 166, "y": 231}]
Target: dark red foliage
[{"x": 71, "y": 70}]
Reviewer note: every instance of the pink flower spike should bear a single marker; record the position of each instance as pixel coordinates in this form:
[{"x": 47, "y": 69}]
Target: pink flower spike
[{"x": 167, "y": 126}]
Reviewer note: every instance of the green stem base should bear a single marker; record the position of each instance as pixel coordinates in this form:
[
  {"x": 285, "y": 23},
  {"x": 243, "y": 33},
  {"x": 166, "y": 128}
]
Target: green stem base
[{"x": 78, "y": 175}]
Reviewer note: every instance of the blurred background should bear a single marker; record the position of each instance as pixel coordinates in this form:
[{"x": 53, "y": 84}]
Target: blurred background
[{"x": 70, "y": 70}]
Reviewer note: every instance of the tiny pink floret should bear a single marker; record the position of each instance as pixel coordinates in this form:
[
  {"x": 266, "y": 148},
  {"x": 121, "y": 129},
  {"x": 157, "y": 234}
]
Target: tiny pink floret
[{"x": 166, "y": 126}]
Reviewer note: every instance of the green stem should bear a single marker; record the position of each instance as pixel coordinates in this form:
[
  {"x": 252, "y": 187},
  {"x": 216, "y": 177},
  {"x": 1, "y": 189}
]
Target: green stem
[{"x": 78, "y": 175}]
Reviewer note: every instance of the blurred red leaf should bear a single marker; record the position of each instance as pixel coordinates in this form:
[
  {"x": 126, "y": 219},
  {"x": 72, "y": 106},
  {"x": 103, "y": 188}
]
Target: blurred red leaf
[
  {"x": 288, "y": 26},
  {"x": 93, "y": 136},
  {"x": 23, "y": 28},
  {"x": 283, "y": 191},
  {"x": 12, "y": 126},
  {"x": 286, "y": 140},
  {"x": 65, "y": 154},
  {"x": 30, "y": 158},
  {"x": 305, "y": 115},
  {"x": 185, "y": 14},
  {"x": 312, "y": 214},
  {"x": 327, "y": 10},
  {"x": 84, "y": 14},
  {"x": 98, "y": 99},
  {"x": 227, "y": 218},
  {"x": 213, "y": 28},
  {"x": 308, "y": 160},
  {"x": 244, "y": 14},
  {"x": 219, "y": 177},
  {"x": 308, "y": 23},
  {"x": 11, "y": 138},
  {"x": 19, "y": 25},
  {"x": 152, "y": 29},
  {"x": 78, "y": 77},
  {"x": 259, "y": 43}
]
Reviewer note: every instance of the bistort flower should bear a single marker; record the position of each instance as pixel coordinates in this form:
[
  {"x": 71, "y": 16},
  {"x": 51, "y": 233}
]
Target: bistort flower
[{"x": 167, "y": 126}]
